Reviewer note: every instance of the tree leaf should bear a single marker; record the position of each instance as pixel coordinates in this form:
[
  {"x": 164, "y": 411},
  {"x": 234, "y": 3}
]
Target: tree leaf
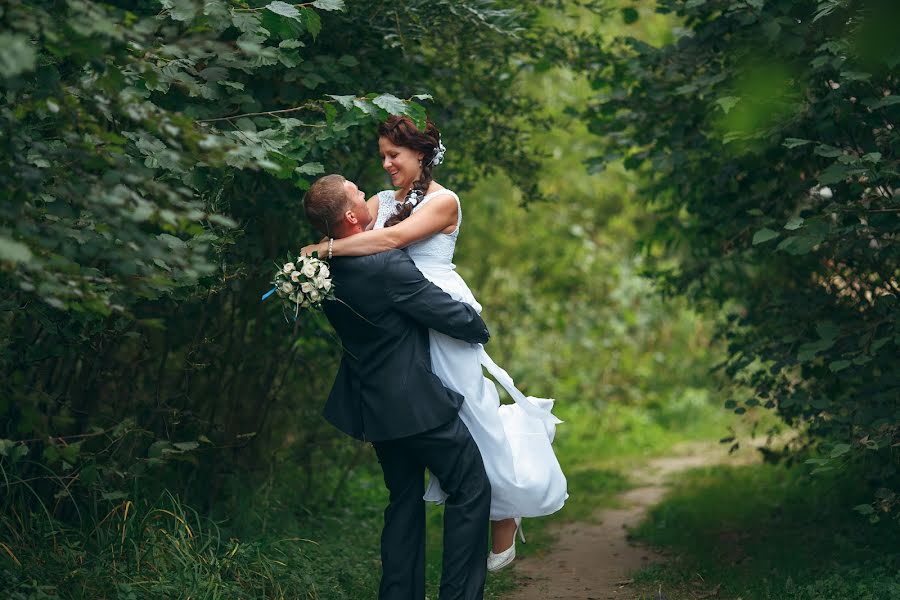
[
  {"x": 764, "y": 235},
  {"x": 186, "y": 446},
  {"x": 828, "y": 151},
  {"x": 838, "y": 365},
  {"x": 794, "y": 223},
  {"x": 855, "y": 76},
  {"x": 840, "y": 450},
  {"x": 284, "y": 9},
  {"x": 390, "y": 103},
  {"x": 726, "y": 103},
  {"x": 800, "y": 244},
  {"x": 6, "y": 446},
  {"x": 156, "y": 448},
  {"x": 312, "y": 21},
  {"x": 289, "y": 58},
  {"x": 13, "y": 251},
  {"x": 771, "y": 29},
  {"x": 329, "y": 4},
  {"x": 827, "y": 330},
  {"x": 886, "y": 101},
  {"x": 17, "y": 55},
  {"x": 417, "y": 113},
  {"x": 180, "y": 10},
  {"x": 368, "y": 108},
  {"x": 833, "y": 174},
  {"x": 795, "y": 142},
  {"x": 872, "y": 157},
  {"x": 330, "y": 113},
  {"x": 246, "y": 22},
  {"x": 312, "y": 168},
  {"x": 345, "y": 101}
]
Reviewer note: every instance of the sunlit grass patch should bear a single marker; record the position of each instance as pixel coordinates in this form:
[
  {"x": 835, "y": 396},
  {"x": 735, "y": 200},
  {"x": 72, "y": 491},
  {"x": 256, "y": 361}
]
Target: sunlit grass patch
[{"x": 619, "y": 434}]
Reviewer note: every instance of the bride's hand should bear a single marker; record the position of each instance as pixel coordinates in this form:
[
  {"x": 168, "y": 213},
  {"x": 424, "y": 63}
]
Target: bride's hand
[{"x": 308, "y": 250}]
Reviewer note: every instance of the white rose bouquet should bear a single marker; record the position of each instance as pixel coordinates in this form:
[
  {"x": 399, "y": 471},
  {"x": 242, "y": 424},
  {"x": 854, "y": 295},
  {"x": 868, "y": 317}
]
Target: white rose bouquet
[{"x": 304, "y": 283}]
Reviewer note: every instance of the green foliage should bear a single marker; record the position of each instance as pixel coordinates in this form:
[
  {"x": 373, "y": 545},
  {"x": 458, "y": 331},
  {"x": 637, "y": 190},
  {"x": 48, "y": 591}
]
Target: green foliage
[
  {"x": 115, "y": 169},
  {"x": 767, "y": 136},
  {"x": 154, "y": 157}
]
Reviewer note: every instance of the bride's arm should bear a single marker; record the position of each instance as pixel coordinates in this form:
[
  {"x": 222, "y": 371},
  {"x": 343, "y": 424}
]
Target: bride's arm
[
  {"x": 372, "y": 203},
  {"x": 439, "y": 214}
]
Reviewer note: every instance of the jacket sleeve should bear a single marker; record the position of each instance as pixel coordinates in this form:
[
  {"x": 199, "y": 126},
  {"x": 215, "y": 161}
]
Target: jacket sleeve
[{"x": 428, "y": 304}]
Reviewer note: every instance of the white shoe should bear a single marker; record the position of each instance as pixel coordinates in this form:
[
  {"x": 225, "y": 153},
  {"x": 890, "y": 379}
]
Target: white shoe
[{"x": 495, "y": 562}]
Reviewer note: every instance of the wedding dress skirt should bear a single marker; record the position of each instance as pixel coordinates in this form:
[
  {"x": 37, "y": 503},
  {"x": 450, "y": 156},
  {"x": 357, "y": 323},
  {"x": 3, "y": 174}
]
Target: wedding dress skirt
[{"x": 514, "y": 439}]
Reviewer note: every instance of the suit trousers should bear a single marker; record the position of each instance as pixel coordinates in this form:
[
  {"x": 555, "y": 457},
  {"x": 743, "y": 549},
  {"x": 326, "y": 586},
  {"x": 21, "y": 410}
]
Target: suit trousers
[{"x": 450, "y": 453}]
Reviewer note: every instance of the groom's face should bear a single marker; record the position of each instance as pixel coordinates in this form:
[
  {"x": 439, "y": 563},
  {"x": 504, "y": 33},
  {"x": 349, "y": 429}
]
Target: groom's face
[{"x": 358, "y": 204}]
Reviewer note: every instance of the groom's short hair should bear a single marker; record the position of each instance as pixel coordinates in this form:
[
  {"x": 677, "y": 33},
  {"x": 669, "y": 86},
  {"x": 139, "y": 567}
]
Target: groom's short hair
[{"x": 326, "y": 202}]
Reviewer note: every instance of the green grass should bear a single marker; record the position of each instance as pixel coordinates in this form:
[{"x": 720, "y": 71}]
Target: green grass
[
  {"x": 763, "y": 532},
  {"x": 164, "y": 550}
]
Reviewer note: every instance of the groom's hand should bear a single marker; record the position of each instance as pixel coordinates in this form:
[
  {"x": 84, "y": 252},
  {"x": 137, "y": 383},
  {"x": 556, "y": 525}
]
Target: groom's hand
[{"x": 308, "y": 250}]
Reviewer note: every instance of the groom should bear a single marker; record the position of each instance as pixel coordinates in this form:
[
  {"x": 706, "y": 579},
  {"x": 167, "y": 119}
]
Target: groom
[{"x": 386, "y": 393}]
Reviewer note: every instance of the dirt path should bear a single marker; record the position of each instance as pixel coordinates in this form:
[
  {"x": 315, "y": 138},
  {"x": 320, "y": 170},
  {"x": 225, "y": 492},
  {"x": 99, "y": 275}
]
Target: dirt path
[{"x": 594, "y": 561}]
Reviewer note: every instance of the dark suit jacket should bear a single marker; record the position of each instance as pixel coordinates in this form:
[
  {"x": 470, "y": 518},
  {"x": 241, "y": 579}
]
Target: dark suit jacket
[{"x": 385, "y": 388}]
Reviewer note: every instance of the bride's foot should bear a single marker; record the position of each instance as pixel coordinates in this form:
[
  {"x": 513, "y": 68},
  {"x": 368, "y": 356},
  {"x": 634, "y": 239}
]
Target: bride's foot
[
  {"x": 502, "y": 534},
  {"x": 502, "y": 531}
]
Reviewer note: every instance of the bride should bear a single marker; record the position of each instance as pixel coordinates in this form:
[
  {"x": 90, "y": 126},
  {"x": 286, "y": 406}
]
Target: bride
[{"x": 514, "y": 439}]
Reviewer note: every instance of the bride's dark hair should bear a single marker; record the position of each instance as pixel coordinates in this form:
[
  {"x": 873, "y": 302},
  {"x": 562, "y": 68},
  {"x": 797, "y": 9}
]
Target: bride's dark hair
[{"x": 401, "y": 131}]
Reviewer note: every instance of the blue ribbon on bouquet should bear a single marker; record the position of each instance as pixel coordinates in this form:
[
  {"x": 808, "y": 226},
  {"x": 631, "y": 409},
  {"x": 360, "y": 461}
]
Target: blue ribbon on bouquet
[{"x": 269, "y": 293}]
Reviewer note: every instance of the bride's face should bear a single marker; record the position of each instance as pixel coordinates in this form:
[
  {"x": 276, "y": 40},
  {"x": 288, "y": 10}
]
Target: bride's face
[{"x": 400, "y": 162}]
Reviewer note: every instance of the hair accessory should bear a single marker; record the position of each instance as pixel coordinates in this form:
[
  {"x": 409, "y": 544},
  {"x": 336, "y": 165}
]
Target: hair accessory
[{"x": 438, "y": 157}]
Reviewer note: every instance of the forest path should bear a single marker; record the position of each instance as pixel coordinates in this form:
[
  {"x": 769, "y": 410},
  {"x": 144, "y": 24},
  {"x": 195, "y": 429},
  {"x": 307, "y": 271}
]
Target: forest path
[{"x": 595, "y": 560}]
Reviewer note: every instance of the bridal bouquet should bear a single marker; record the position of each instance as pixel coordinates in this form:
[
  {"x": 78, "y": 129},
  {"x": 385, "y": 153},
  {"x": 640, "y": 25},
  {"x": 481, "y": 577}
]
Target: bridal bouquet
[{"x": 304, "y": 283}]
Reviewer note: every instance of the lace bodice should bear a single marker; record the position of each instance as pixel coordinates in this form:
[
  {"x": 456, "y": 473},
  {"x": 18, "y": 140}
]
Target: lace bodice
[{"x": 439, "y": 247}]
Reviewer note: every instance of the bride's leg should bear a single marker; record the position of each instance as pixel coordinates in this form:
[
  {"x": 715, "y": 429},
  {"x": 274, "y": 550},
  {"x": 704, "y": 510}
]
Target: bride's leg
[{"x": 502, "y": 533}]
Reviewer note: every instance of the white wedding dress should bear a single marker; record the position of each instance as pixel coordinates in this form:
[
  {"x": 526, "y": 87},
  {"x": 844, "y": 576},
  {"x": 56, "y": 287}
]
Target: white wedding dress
[{"x": 514, "y": 439}]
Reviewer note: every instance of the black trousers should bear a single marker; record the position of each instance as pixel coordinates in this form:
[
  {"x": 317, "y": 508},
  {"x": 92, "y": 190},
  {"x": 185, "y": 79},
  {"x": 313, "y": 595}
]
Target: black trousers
[{"x": 451, "y": 454}]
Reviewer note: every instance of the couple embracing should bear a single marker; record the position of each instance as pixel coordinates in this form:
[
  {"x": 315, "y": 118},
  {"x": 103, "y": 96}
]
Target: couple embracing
[{"x": 411, "y": 380}]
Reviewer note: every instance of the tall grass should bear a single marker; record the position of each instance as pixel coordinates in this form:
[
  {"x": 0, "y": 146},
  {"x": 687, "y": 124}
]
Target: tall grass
[{"x": 164, "y": 549}]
